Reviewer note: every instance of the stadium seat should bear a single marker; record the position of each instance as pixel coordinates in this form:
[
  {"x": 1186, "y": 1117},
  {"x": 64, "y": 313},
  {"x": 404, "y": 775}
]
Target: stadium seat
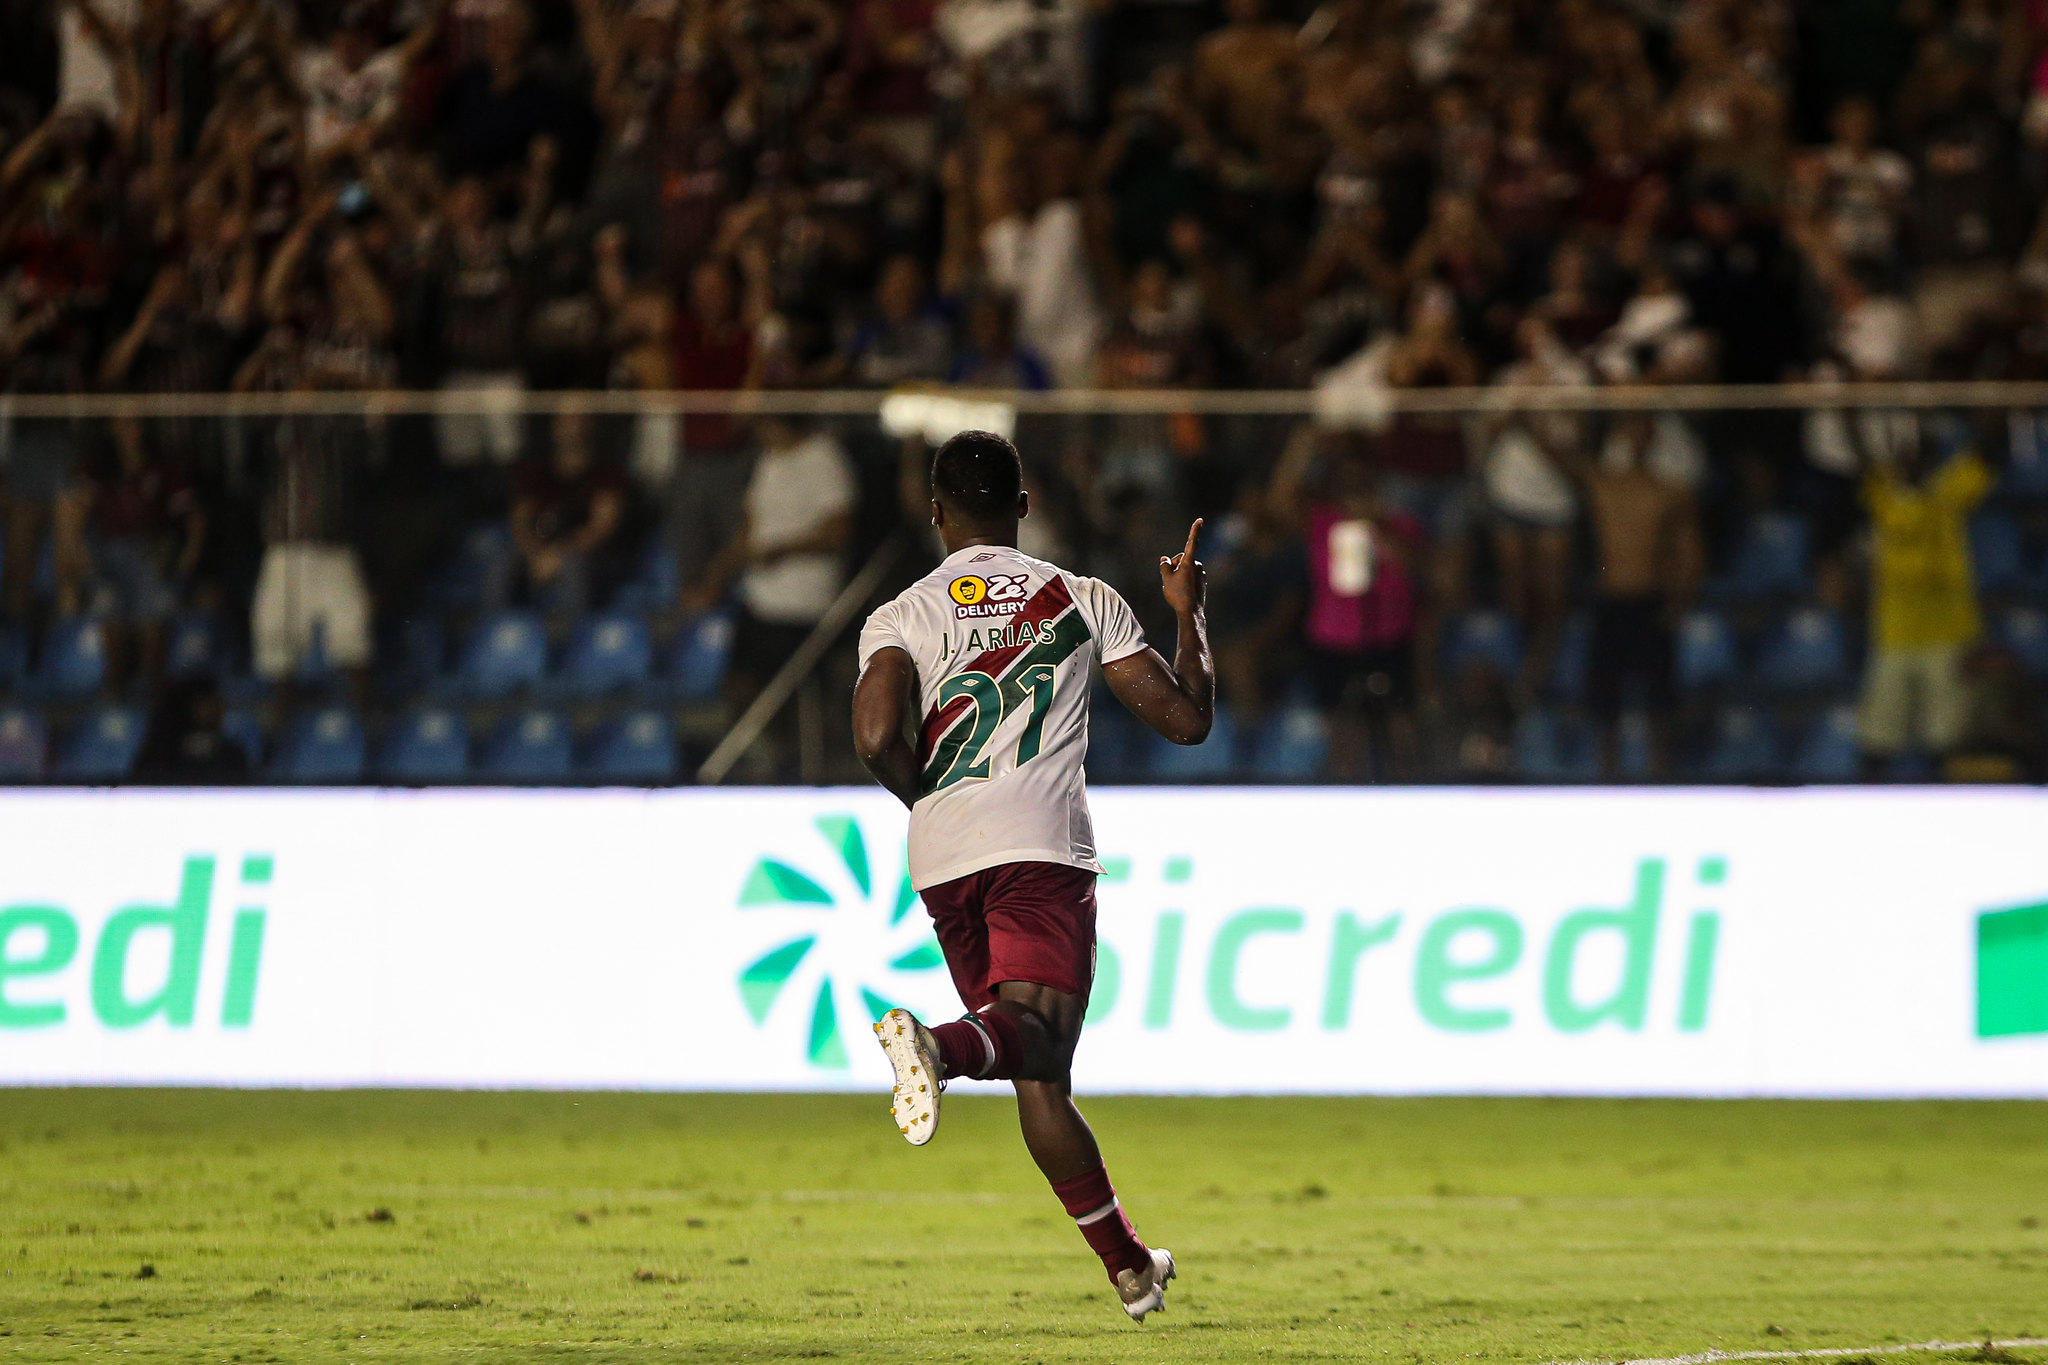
[
  {"x": 1808, "y": 652},
  {"x": 702, "y": 652},
  {"x": 411, "y": 655},
  {"x": 192, "y": 647},
  {"x": 1488, "y": 639},
  {"x": 1742, "y": 748},
  {"x": 13, "y": 658},
  {"x": 1551, "y": 748},
  {"x": 656, "y": 584},
  {"x": 74, "y": 661},
  {"x": 23, "y": 745},
  {"x": 1293, "y": 745},
  {"x": 1213, "y": 760},
  {"x": 607, "y": 653},
  {"x": 2024, "y": 631},
  {"x": 1632, "y": 747},
  {"x": 428, "y": 745},
  {"x": 531, "y": 746},
  {"x": 1769, "y": 560},
  {"x": 100, "y": 746},
  {"x": 1706, "y": 651},
  {"x": 1830, "y": 750},
  {"x": 323, "y": 745},
  {"x": 1998, "y": 552},
  {"x": 508, "y": 651},
  {"x": 2026, "y": 467},
  {"x": 1574, "y": 661},
  {"x": 638, "y": 747},
  {"x": 245, "y": 728}
]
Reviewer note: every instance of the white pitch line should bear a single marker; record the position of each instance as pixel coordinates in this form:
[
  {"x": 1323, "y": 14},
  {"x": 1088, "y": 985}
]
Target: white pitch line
[{"x": 1832, "y": 1352}]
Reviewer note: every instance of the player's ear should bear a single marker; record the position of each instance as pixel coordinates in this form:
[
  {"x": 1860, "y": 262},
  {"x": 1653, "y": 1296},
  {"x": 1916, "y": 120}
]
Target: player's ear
[
  {"x": 938, "y": 513},
  {"x": 1023, "y": 503}
]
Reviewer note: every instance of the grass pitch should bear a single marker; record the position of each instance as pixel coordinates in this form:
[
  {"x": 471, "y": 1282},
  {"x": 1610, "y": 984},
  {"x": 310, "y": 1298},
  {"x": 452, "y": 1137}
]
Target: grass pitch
[{"x": 193, "y": 1225}]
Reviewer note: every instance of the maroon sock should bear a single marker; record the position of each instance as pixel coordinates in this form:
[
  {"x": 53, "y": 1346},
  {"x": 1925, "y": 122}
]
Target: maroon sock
[
  {"x": 982, "y": 1047},
  {"x": 1091, "y": 1202}
]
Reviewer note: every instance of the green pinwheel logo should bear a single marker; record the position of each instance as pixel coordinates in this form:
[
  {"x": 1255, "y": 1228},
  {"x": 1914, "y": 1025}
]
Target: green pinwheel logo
[{"x": 856, "y": 959}]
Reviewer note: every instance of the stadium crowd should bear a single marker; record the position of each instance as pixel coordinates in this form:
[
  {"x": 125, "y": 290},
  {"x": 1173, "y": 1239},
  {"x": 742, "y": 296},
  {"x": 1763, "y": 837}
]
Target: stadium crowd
[{"x": 1357, "y": 196}]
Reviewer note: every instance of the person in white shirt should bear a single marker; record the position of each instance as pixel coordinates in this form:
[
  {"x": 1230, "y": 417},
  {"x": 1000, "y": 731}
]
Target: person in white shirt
[
  {"x": 351, "y": 88},
  {"x": 785, "y": 563},
  {"x": 998, "y": 651}
]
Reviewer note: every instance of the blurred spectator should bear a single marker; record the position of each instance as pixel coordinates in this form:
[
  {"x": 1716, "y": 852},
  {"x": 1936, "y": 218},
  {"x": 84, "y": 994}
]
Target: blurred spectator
[
  {"x": 1923, "y": 601},
  {"x": 1361, "y": 613},
  {"x": 908, "y": 338},
  {"x": 992, "y": 359},
  {"x": 311, "y": 610},
  {"x": 1034, "y": 248},
  {"x": 146, "y": 532},
  {"x": 1647, "y": 534},
  {"x": 566, "y": 510},
  {"x": 1533, "y": 502},
  {"x": 787, "y": 558}
]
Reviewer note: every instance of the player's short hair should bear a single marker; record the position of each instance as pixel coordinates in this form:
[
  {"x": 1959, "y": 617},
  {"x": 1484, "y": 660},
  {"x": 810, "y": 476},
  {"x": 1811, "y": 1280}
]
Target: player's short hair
[{"x": 979, "y": 474}]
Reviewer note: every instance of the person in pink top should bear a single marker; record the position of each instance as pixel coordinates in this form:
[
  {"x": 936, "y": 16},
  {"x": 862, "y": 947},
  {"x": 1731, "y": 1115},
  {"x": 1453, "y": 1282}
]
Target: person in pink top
[{"x": 1362, "y": 601}]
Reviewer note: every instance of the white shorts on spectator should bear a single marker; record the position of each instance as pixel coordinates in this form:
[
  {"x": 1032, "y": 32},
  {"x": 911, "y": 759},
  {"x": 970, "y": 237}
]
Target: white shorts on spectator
[
  {"x": 304, "y": 585},
  {"x": 1913, "y": 699},
  {"x": 488, "y": 430}
]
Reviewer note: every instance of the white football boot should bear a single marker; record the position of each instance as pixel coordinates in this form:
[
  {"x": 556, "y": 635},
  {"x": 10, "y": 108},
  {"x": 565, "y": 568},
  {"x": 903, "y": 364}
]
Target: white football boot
[
  {"x": 1144, "y": 1291},
  {"x": 914, "y": 1053}
]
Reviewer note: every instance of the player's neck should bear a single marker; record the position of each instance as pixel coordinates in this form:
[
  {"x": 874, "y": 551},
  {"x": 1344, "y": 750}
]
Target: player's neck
[{"x": 968, "y": 540}]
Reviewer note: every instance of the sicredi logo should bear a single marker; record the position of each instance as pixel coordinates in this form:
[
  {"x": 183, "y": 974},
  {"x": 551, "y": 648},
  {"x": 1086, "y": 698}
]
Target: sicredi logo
[
  {"x": 46, "y": 963},
  {"x": 1457, "y": 960},
  {"x": 839, "y": 942}
]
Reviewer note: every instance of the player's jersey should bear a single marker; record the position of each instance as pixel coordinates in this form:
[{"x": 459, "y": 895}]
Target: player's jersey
[{"x": 1006, "y": 648}]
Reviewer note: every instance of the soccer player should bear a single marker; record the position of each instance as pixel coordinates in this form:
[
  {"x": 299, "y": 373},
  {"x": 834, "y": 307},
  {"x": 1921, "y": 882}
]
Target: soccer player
[{"x": 999, "y": 650}]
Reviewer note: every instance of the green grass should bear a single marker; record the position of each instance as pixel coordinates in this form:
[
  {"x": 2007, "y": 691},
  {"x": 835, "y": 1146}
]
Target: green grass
[{"x": 193, "y": 1225}]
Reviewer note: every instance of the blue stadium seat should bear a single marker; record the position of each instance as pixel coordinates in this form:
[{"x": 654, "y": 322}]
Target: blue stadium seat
[
  {"x": 1551, "y": 748},
  {"x": 1998, "y": 552},
  {"x": 702, "y": 652},
  {"x": 2024, "y": 631},
  {"x": 101, "y": 746},
  {"x": 607, "y": 653},
  {"x": 1808, "y": 652},
  {"x": 24, "y": 746},
  {"x": 192, "y": 647},
  {"x": 658, "y": 582},
  {"x": 1569, "y": 671},
  {"x": 1706, "y": 651},
  {"x": 1213, "y": 760},
  {"x": 1769, "y": 560},
  {"x": 323, "y": 745},
  {"x": 245, "y": 728},
  {"x": 411, "y": 655},
  {"x": 1830, "y": 750},
  {"x": 1293, "y": 745},
  {"x": 74, "y": 661},
  {"x": 637, "y": 747},
  {"x": 532, "y": 746},
  {"x": 428, "y": 745},
  {"x": 1742, "y": 748},
  {"x": 2026, "y": 467},
  {"x": 1488, "y": 639},
  {"x": 507, "y": 651},
  {"x": 13, "y": 656}
]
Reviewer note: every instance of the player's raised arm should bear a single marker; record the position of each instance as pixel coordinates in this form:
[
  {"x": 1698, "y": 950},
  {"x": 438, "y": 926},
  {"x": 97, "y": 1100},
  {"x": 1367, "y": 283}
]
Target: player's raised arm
[
  {"x": 884, "y": 689},
  {"x": 1178, "y": 701}
]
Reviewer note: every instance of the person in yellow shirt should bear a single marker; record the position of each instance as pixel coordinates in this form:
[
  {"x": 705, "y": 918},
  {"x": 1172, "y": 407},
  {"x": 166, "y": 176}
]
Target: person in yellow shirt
[{"x": 1923, "y": 600}]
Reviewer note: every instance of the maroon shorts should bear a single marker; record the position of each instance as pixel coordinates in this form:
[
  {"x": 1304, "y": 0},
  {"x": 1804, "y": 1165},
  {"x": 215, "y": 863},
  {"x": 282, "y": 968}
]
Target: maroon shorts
[{"x": 1018, "y": 922}]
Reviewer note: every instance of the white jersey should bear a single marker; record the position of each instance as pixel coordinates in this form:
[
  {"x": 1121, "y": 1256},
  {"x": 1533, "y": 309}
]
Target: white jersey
[{"x": 1006, "y": 648}]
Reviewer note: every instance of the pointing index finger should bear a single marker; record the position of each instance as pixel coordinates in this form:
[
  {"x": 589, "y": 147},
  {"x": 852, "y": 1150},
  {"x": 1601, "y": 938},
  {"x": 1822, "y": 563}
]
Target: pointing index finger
[{"x": 1189, "y": 553}]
